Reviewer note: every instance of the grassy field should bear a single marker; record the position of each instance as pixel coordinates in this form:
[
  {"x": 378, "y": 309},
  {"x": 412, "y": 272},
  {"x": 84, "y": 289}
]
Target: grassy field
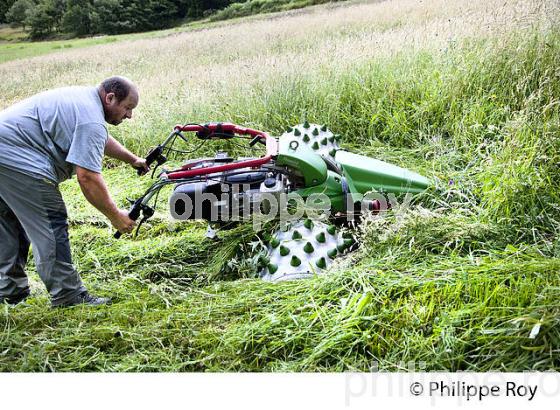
[
  {"x": 14, "y": 43},
  {"x": 465, "y": 93}
]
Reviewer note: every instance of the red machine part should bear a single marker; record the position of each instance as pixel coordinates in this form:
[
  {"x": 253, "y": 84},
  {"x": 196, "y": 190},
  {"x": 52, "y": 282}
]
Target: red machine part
[{"x": 225, "y": 127}]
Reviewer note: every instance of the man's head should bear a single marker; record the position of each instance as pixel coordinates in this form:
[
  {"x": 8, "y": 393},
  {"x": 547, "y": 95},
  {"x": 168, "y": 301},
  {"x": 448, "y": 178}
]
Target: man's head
[{"x": 119, "y": 97}]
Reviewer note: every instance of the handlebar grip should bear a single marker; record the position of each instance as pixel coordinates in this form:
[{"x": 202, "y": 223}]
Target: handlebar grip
[
  {"x": 155, "y": 155},
  {"x": 133, "y": 214}
]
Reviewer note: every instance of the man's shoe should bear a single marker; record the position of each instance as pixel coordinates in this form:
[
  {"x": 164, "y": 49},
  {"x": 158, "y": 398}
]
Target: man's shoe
[
  {"x": 85, "y": 298},
  {"x": 15, "y": 299}
]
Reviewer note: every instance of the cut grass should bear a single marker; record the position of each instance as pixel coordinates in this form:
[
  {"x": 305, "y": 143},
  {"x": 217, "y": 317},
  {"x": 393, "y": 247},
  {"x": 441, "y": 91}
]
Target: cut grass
[{"x": 460, "y": 316}]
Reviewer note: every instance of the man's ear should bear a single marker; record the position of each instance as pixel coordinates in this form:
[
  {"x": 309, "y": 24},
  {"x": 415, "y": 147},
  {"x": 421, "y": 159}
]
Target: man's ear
[{"x": 109, "y": 98}]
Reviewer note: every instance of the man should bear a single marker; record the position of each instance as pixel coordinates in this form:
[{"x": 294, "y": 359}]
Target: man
[{"x": 43, "y": 141}]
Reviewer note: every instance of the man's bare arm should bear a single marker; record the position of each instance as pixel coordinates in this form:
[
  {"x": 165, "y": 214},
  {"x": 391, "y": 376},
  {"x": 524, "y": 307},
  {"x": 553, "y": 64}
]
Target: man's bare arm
[
  {"x": 115, "y": 149},
  {"x": 95, "y": 190}
]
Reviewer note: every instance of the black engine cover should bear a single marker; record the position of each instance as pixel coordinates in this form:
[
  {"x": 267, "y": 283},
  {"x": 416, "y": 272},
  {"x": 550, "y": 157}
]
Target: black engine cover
[{"x": 214, "y": 201}]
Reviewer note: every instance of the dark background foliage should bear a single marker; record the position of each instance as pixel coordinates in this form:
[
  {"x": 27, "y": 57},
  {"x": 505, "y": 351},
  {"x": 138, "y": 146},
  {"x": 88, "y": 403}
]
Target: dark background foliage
[{"x": 45, "y": 18}]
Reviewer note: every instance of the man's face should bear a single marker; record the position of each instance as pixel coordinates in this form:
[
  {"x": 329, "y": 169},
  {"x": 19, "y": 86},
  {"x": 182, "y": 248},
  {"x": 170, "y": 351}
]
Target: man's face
[{"x": 117, "y": 111}]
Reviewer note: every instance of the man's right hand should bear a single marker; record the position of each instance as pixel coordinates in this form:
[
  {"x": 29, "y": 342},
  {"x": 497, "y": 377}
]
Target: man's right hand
[
  {"x": 122, "y": 222},
  {"x": 94, "y": 189}
]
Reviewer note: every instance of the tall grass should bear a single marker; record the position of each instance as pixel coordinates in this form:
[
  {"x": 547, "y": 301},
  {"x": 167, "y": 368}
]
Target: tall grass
[{"x": 459, "y": 281}]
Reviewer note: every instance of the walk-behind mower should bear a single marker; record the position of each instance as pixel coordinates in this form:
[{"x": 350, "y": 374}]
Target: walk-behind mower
[{"x": 303, "y": 178}]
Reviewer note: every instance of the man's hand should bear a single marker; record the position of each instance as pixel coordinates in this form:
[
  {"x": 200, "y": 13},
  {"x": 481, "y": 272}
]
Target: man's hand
[
  {"x": 94, "y": 189},
  {"x": 141, "y": 165},
  {"x": 122, "y": 222},
  {"x": 114, "y": 149}
]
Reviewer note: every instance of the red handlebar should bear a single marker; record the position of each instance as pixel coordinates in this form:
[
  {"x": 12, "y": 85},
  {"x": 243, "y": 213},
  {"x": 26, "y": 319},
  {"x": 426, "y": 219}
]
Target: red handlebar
[
  {"x": 226, "y": 127},
  {"x": 220, "y": 127}
]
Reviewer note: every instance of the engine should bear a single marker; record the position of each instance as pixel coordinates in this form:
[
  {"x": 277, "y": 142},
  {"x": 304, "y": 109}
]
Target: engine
[{"x": 228, "y": 196}]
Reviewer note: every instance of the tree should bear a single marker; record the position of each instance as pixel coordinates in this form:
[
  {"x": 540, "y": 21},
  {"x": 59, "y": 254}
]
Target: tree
[
  {"x": 4, "y": 7},
  {"x": 107, "y": 17},
  {"x": 45, "y": 17},
  {"x": 162, "y": 13},
  {"x": 40, "y": 22},
  {"x": 78, "y": 17},
  {"x": 55, "y": 9},
  {"x": 86, "y": 17},
  {"x": 17, "y": 14},
  {"x": 196, "y": 8},
  {"x": 114, "y": 16}
]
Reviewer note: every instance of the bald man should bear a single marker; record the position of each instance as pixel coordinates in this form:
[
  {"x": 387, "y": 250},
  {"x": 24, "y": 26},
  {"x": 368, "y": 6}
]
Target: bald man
[{"x": 44, "y": 140}]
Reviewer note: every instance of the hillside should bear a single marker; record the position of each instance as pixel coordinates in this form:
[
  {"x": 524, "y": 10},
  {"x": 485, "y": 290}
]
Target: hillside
[{"x": 465, "y": 93}]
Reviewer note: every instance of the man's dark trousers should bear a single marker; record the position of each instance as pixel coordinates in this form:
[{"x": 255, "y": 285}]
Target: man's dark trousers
[{"x": 32, "y": 211}]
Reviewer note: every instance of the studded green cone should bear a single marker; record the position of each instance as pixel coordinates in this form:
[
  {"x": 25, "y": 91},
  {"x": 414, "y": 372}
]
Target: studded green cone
[
  {"x": 306, "y": 248},
  {"x": 321, "y": 263},
  {"x": 295, "y": 261},
  {"x": 311, "y": 252},
  {"x": 317, "y": 137},
  {"x": 264, "y": 260},
  {"x": 348, "y": 242}
]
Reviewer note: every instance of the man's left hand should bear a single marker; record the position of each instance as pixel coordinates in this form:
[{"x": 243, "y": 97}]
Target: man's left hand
[{"x": 140, "y": 165}]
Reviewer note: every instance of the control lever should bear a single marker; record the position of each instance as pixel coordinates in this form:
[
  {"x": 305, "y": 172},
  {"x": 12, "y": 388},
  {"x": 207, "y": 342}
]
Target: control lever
[
  {"x": 136, "y": 209},
  {"x": 155, "y": 155},
  {"x": 214, "y": 131},
  {"x": 256, "y": 140}
]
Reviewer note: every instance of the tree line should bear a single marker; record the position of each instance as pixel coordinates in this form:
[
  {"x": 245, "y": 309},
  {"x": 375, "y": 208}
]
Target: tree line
[{"x": 43, "y": 18}]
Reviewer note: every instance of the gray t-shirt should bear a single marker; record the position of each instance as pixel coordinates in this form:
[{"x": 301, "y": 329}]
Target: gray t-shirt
[{"x": 48, "y": 134}]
